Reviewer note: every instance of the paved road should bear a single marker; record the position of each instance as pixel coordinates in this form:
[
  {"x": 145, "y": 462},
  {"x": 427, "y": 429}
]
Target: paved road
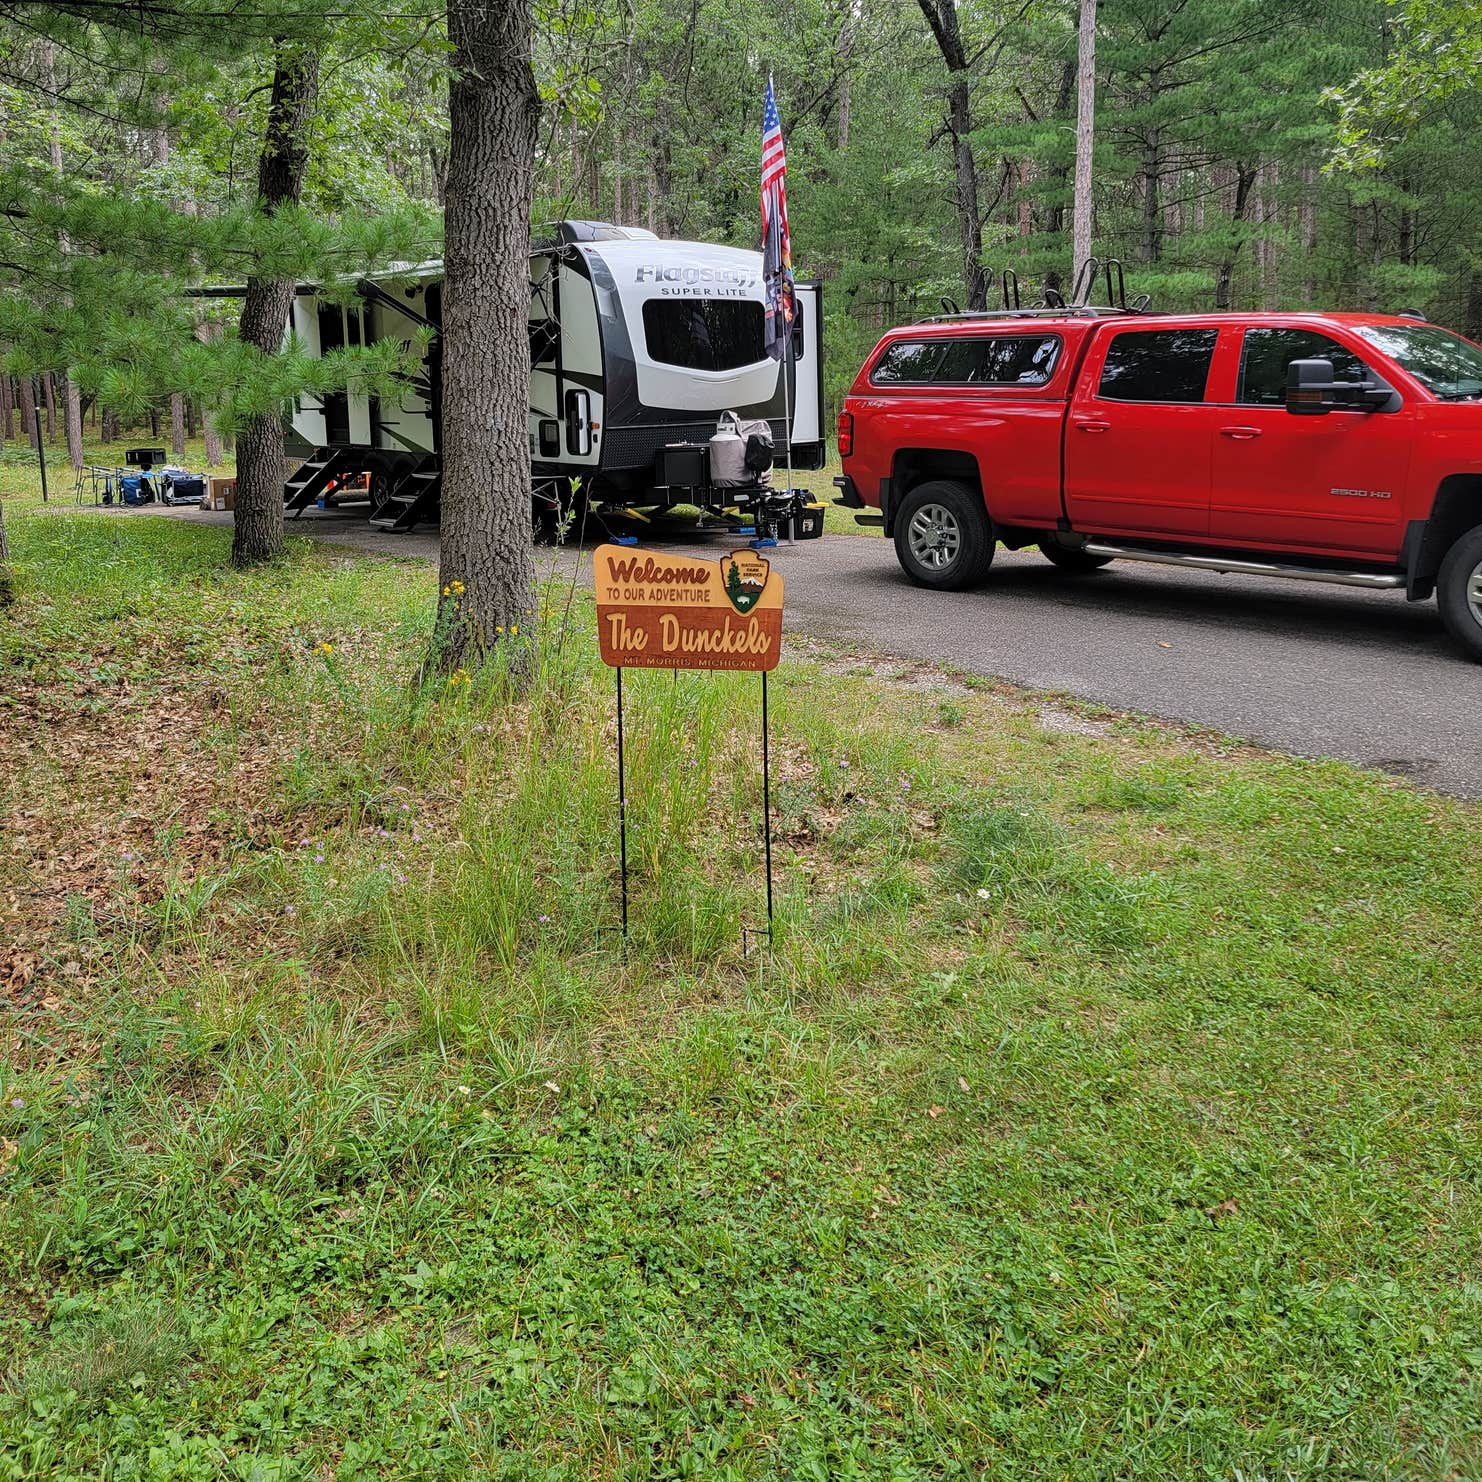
[{"x": 1320, "y": 671}]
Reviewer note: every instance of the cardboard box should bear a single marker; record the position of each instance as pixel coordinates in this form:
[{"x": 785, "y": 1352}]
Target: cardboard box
[{"x": 221, "y": 493}]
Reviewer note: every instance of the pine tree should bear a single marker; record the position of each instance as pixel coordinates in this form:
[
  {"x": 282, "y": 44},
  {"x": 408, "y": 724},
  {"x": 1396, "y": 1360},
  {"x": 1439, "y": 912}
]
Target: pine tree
[{"x": 486, "y": 527}]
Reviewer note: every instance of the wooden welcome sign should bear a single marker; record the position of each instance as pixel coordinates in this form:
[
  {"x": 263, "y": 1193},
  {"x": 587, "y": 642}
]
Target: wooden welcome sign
[{"x": 658, "y": 611}]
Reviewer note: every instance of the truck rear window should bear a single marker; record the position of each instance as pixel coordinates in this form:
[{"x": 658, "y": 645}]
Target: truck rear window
[
  {"x": 1169, "y": 365},
  {"x": 988, "y": 360}
]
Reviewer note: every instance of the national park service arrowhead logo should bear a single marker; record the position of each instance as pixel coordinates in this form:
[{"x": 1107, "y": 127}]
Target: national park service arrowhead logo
[{"x": 744, "y": 575}]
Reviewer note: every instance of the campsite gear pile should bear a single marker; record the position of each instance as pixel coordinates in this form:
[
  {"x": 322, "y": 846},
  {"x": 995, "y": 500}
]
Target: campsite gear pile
[
  {"x": 141, "y": 482},
  {"x": 741, "y": 453},
  {"x": 733, "y": 472}
]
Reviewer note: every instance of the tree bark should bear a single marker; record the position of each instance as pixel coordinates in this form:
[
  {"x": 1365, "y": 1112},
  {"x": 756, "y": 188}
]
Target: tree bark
[
  {"x": 49, "y": 394},
  {"x": 7, "y": 407},
  {"x": 1152, "y": 205},
  {"x": 177, "y": 426},
  {"x": 1472, "y": 324},
  {"x": 1085, "y": 137},
  {"x": 941, "y": 16},
  {"x": 28, "y": 411},
  {"x": 487, "y": 547},
  {"x": 72, "y": 420},
  {"x": 7, "y": 584},
  {"x": 1245, "y": 179},
  {"x": 258, "y": 531}
]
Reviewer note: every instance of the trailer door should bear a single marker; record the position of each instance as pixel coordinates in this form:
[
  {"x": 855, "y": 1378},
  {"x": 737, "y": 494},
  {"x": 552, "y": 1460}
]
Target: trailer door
[{"x": 807, "y": 349}]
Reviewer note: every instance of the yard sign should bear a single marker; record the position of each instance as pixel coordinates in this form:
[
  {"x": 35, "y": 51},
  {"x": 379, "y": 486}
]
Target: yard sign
[{"x": 657, "y": 611}]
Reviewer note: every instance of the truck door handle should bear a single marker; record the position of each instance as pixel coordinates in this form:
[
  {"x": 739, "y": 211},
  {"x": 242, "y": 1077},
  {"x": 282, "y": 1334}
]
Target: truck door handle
[
  {"x": 1241, "y": 433},
  {"x": 1094, "y": 426}
]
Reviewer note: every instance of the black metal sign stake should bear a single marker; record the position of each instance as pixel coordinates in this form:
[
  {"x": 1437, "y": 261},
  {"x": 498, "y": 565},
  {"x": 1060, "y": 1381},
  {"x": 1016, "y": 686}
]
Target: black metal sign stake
[
  {"x": 767, "y": 800},
  {"x": 748, "y": 932},
  {"x": 622, "y": 803},
  {"x": 40, "y": 440}
]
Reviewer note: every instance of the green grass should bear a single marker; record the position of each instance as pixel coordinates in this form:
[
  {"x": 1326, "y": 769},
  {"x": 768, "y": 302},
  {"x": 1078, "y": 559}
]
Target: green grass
[{"x": 1106, "y": 1108}]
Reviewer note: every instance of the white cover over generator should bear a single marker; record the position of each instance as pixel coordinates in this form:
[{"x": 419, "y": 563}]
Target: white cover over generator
[{"x": 637, "y": 347}]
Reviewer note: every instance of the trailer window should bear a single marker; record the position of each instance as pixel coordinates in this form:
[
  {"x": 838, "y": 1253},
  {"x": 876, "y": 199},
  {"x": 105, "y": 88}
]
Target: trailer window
[
  {"x": 705, "y": 334},
  {"x": 999, "y": 360},
  {"x": 1168, "y": 365}
]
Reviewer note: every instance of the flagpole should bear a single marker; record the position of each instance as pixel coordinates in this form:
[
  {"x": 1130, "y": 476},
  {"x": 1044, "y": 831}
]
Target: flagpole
[{"x": 787, "y": 420}]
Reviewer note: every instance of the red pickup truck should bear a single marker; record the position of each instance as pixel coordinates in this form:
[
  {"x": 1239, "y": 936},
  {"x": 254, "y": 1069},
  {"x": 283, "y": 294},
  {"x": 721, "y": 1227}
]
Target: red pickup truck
[{"x": 1325, "y": 447}]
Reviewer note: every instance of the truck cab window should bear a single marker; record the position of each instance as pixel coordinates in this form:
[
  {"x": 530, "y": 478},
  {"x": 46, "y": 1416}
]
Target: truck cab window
[
  {"x": 1266, "y": 353},
  {"x": 704, "y": 334},
  {"x": 1167, "y": 365}
]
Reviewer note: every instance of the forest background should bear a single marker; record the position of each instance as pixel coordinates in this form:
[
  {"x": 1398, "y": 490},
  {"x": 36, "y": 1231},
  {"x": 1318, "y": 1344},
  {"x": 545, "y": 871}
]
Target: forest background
[{"x": 1247, "y": 154}]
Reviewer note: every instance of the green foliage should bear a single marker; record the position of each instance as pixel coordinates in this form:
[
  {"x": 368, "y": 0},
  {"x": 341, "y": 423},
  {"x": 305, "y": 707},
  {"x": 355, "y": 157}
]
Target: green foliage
[{"x": 158, "y": 118}]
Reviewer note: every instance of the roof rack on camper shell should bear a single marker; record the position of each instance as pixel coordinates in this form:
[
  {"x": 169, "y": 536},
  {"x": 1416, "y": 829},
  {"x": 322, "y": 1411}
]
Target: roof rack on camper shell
[{"x": 1053, "y": 303}]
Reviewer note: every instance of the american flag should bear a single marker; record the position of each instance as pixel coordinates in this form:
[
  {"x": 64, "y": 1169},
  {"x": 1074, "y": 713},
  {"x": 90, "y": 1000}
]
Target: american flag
[{"x": 776, "y": 243}]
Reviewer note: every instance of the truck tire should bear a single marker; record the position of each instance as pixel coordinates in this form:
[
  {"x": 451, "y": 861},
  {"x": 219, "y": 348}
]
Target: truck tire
[
  {"x": 1071, "y": 558},
  {"x": 943, "y": 536},
  {"x": 1459, "y": 592}
]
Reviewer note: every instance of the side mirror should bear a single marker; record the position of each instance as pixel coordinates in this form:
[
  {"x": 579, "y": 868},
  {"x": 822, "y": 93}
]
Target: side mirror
[
  {"x": 1311, "y": 391},
  {"x": 1309, "y": 388}
]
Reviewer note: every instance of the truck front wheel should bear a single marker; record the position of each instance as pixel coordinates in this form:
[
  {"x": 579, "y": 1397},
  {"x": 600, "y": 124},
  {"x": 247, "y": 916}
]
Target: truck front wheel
[
  {"x": 1459, "y": 592},
  {"x": 943, "y": 536}
]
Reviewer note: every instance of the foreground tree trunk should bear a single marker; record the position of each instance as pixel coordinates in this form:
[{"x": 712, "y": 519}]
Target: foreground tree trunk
[
  {"x": 486, "y": 526},
  {"x": 258, "y": 533}
]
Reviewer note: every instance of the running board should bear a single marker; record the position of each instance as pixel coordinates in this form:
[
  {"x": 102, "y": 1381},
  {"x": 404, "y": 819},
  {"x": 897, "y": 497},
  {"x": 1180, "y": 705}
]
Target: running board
[{"x": 1374, "y": 579}]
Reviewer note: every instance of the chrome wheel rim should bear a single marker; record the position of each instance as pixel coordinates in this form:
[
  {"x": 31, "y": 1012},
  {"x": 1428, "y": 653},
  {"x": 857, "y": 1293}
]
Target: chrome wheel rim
[
  {"x": 1474, "y": 594},
  {"x": 935, "y": 537}
]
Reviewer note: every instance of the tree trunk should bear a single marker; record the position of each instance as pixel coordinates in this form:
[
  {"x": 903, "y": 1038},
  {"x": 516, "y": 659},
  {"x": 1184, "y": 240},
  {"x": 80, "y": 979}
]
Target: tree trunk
[
  {"x": 969, "y": 222},
  {"x": 177, "y": 426},
  {"x": 1085, "y": 136},
  {"x": 258, "y": 530},
  {"x": 941, "y": 16},
  {"x": 206, "y": 332},
  {"x": 493, "y": 110},
  {"x": 1472, "y": 324},
  {"x": 72, "y": 418},
  {"x": 7, "y": 407},
  {"x": 28, "y": 411},
  {"x": 1245, "y": 179},
  {"x": 49, "y": 393},
  {"x": 1152, "y": 205},
  {"x": 109, "y": 428},
  {"x": 843, "y": 51},
  {"x": 7, "y": 584}
]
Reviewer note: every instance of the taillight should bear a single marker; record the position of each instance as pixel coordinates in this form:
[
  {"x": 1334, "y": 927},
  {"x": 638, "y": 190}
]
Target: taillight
[{"x": 846, "y": 434}]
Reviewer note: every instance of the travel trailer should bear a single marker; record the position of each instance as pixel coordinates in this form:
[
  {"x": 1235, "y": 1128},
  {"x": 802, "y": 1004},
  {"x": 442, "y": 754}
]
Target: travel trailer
[{"x": 637, "y": 346}]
